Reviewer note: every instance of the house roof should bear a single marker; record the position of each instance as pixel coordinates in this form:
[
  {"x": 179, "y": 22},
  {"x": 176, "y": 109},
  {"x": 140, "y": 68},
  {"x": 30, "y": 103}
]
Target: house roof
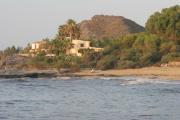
[
  {"x": 80, "y": 41},
  {"x": 42, "y": 41}
]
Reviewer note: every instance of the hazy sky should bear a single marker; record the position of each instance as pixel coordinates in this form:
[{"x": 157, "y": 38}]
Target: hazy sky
[{"x": 24, "y": 21}]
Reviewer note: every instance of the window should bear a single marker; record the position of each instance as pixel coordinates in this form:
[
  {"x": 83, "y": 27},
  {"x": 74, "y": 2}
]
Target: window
[
  {"x": 81, "y": 45},
  {"x": 73, "y": 45}
]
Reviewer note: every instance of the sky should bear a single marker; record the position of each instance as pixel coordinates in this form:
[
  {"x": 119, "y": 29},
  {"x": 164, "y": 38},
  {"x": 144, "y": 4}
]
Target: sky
[{"x": 25, "y": 21}]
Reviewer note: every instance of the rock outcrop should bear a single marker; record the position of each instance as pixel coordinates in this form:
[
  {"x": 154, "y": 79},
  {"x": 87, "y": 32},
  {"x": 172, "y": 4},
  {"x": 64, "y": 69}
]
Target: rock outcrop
[
  {"x": 104, "y": 27},
  {"x": 12, "y": 62}
]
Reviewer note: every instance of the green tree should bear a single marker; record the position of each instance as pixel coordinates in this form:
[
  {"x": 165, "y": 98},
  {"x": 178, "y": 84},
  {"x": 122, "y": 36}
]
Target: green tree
[
  {"x": 70, "y": 29},
  {"x": 165, "y": 23},
  {"x": 89, "y": 58},
  {"x": 60, "y": 47},
  {"x": 11, "y": 51}
]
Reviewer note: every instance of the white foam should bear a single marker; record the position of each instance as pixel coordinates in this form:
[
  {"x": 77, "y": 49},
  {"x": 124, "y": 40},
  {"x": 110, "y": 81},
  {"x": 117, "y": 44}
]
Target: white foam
[{"x": 138, "y": 81}]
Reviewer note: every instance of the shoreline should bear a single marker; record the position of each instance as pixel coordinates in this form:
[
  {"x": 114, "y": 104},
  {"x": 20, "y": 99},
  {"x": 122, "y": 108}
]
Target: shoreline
[
  {"x": 162, "y": 73},
  {"x": 168, "y": 73}
]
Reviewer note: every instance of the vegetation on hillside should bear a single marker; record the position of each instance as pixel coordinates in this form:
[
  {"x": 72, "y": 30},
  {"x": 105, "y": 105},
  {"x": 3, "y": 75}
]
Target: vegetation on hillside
[
  {"x": 137, "y": 50},
  {"x": 160, "y": 44},
  {"x": 165, "y": 23}
]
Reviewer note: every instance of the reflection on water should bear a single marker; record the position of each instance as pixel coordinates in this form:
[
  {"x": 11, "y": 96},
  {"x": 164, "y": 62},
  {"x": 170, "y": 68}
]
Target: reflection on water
[{"x": 124, "y": 98}]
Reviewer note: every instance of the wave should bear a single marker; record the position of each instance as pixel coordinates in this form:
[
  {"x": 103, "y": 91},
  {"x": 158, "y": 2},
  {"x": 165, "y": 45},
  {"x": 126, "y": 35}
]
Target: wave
[{"x": 138, "y": 81}]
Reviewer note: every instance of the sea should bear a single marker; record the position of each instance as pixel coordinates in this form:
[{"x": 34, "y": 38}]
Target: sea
[{"x": 89, "y": 98}]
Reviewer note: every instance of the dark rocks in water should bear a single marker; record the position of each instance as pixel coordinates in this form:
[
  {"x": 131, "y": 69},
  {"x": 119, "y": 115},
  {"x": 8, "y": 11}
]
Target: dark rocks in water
[
  {"x": 105, "y": 27},
  {"x": 29, "y": 75},
  {"x": 40, "y": 75}
]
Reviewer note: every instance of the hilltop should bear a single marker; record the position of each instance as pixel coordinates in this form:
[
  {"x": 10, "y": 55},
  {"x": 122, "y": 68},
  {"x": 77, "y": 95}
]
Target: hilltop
[{"x": 104, "y": 27}]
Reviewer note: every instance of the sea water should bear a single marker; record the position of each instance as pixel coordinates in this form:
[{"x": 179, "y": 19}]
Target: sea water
[{"x": 94, "y": 98}]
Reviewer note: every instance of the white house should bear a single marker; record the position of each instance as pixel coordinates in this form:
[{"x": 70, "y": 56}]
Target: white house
[
  {"x": 38, "y": 46},
  {"x": 81, "y": 44},
  {"x": 74, "y": 50}
]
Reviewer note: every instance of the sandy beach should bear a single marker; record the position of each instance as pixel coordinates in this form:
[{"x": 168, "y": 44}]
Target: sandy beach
[
  {"x": 170, "y": 73},
  {"x": 164, "y": 73}
]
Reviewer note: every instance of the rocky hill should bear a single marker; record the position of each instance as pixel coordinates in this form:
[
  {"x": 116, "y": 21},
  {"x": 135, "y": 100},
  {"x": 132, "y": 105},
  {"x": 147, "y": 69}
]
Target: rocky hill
[{"x": 104, "y": 27}]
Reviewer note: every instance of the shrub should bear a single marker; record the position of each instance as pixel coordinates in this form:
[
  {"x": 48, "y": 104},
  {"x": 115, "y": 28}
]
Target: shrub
[
  {"x": 107, "y": 62},
  {"x": 170, "y": 57},
  {"x": 126, "y": 64}
]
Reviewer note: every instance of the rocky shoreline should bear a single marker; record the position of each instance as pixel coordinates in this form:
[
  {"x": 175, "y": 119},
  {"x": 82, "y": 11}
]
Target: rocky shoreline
[
  {"x": 164, "y": 73},
  {"x": 28, "y": 74}
]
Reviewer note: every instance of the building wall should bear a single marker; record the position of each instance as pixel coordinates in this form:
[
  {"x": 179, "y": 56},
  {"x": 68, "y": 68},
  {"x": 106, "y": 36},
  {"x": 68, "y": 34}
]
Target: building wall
[
  {"x": 77, "y": 44},
  {"x": 37, "y": 45},
  {"x": 80, "y": 44},
  {"x": 33, "y": 46},
  {"x": 74, "y": 51}
]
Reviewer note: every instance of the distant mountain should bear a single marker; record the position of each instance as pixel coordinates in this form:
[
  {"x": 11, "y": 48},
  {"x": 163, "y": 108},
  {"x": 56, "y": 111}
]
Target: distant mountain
[{"x": 104, "y": 27}]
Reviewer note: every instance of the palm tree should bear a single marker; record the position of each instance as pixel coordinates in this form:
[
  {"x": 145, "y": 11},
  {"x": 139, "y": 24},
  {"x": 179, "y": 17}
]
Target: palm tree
[
  {"x": 63, "y": 32},
  {"x": 71, "y": 25},
  {"x": 70, "y": 29}
]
